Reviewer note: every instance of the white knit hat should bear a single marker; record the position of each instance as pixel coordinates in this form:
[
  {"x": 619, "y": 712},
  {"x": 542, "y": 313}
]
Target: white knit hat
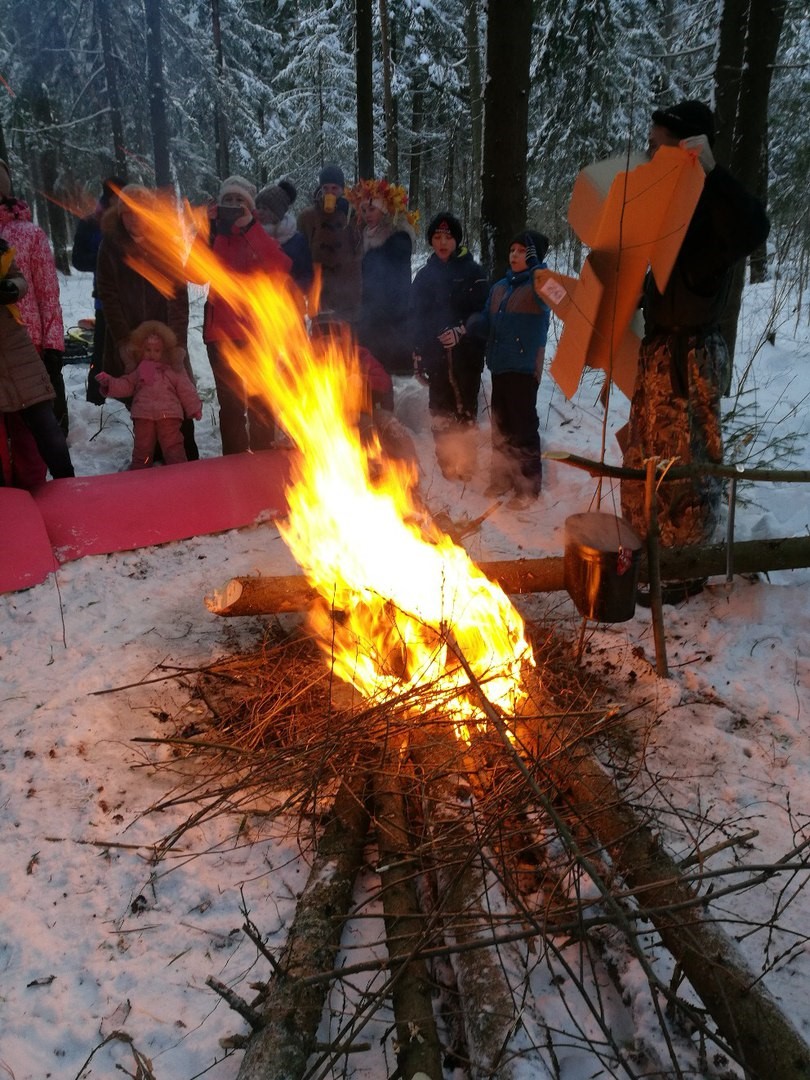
[{"x": 238, "y": 185}]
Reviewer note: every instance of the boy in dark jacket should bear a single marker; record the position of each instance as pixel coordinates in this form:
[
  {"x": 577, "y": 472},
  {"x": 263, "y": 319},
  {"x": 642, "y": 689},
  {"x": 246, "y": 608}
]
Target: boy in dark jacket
[
  {"x": 449, "y": 288},
  {"x": 516, "y": 322}
]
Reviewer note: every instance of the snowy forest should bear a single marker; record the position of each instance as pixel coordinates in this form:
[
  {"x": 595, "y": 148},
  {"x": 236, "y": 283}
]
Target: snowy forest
[{"x": 469, "y": 105}]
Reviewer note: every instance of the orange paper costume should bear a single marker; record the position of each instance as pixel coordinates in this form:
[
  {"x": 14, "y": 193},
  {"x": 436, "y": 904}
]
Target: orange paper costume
[{"x": 633, "y": 214}]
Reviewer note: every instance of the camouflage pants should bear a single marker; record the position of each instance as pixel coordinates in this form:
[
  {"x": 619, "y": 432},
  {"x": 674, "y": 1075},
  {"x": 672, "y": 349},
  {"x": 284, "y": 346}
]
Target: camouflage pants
[{"x": 675, "y": 413}]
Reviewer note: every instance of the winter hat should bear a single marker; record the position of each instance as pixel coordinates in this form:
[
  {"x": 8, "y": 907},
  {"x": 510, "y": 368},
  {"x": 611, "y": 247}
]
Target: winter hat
[
  {"x": 445, "y": 222},
  {"x": 275, "y": 200},
  {"x": 535, "y": 243},
  {"x": 686, "y": 119},
  {"x": 289, "y": 187},
  {"x": 331, "y": 174},
  {"x": 5, "y": 181},
  {"x": 238, "y": 185}
]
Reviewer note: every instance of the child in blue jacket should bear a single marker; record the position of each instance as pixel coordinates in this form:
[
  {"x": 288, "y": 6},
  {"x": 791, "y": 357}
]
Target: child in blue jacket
[{"x": 515, "y": 321}]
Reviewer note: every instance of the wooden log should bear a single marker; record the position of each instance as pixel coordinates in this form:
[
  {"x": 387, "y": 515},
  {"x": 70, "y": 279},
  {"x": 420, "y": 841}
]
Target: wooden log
[
  {"x": 292, "y": 1010},
  {"x": 765, "y": 1041},
  {"x": 418, "y": 1051},
  {"x": 292, "y": 592}
]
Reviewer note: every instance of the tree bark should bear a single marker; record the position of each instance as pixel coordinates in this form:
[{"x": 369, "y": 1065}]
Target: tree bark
[
  {"x": 223, "y": 167},
  {"x": 291, "y": 1011},
  {"x": 267, "y": 595},
  {"x": 417, "y": 1040},
  {"x": 749, "y": 39},
  {"x": 476, "y": 112},
  {"x": 365, "y": 99},
  {"x": 506, "y": 117},
  {"x": 157, "y": 93},
  {"x": 389, "y": 107},
  {"x": 417, "y": 149},
  {"x": 102, "y": 12}
]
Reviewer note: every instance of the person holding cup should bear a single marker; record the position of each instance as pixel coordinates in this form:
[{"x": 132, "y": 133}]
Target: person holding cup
[{"x": 332, "y": 232}]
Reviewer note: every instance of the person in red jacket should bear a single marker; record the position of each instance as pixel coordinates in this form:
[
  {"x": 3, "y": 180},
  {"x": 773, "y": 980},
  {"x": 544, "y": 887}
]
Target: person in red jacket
[{"x": 241, "y": 244}]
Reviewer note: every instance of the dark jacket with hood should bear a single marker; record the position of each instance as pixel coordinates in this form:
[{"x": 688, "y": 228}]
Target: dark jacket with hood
[
  {"x": 128, "y": 298},
  {"x": 445, "y": 294}
]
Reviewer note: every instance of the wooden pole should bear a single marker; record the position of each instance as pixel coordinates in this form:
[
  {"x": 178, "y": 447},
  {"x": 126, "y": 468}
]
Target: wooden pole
[
  {"x": 292, "y": 592},
  {"x": 654, "y": 571}
]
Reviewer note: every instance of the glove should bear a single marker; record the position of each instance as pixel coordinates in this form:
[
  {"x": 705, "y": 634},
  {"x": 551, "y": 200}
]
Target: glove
[
  {"x": 452, "y": 335},
  {"x": 197, "y": 415},
  {"x": 699, "y": 145},
  {"x": 9, "y": 291}
]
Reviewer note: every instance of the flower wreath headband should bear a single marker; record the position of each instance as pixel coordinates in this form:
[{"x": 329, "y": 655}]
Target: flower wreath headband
[{"x": 394, "y": 197}]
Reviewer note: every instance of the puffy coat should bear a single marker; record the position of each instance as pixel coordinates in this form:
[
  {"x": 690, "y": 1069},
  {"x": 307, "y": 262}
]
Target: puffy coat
[
  {"x": 446, "y": 294},
  {"x": 40, "y": 307},
  {"x": 241, "y": 251},
  {"x": 23, "y": 378},
  {"x": 158, "y": 391},
  {"x": 515, "y": 320},
  {"x": 128, "y": 298}
]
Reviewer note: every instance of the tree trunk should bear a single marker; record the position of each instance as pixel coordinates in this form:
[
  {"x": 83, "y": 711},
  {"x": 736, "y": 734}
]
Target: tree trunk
[
  {"x": 365, "y": 99},
  {"x": 506, "y": 116},
  {"x": 157, "y": 93},
  {"x": 51, "y": 215},
  {"x": 749, "y": 39},
  {"x": 417, "y": 149},
  {"x": 223, "y": 168},
  {"x": 391, "y": 144},
  {"x": 476, "y": 112},
  {"x": 102, "y": 13}
]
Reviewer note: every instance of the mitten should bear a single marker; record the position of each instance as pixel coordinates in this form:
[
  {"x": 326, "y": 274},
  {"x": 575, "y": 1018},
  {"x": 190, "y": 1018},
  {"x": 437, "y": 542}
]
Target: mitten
[
  {"x": 699, "y": 144},
  {"x": 9, "y": 291},
  {"x": 452, "y": 335}
]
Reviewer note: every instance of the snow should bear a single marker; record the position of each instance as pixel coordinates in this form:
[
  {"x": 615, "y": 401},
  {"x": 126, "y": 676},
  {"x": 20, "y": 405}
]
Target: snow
[{"x": 101, "y": 941}]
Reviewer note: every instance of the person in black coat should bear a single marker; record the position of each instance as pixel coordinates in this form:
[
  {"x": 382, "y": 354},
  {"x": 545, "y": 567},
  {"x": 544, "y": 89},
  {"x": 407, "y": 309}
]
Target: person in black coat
[
  {"x": 449, "y": 288},
  {"x": 84, "y": 255},
  {"x": 684, "y": 363}
]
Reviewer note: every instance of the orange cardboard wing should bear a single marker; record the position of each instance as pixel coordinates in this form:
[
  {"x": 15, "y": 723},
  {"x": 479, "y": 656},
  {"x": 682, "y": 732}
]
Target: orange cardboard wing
[{"x": 632, "y": 219}]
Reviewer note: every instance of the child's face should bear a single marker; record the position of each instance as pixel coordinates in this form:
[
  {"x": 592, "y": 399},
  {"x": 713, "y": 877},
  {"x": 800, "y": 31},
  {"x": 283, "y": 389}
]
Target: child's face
[
  {"x": 152, "y": 349},
  {"x": 443, "y": 244},
  {"x": 517, "y": 258}
]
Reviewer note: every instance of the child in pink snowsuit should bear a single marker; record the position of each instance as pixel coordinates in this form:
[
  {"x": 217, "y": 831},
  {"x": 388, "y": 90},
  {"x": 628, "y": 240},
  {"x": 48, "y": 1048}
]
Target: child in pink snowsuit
[{"x": 162, "y": 393}]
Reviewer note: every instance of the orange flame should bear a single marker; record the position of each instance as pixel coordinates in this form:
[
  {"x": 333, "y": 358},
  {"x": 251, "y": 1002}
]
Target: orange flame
[{"x": 401, "y": 599}]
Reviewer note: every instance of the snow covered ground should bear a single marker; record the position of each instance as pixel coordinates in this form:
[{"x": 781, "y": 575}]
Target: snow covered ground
[{"x": 95, "y": 939}]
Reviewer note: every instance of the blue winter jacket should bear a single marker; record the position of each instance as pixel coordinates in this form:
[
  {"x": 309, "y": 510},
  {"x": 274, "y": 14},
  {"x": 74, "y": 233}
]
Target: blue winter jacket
[{"x": 515, "y": 320}]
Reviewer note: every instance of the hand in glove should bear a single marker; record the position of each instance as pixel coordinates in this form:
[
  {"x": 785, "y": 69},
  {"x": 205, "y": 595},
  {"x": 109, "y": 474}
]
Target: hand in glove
[
  {"x": 699, "y": 145},
  {"x": 197, "y": 415},
  {"x": 452, "y": 335},
  {"x": 9, "y": 291}
]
